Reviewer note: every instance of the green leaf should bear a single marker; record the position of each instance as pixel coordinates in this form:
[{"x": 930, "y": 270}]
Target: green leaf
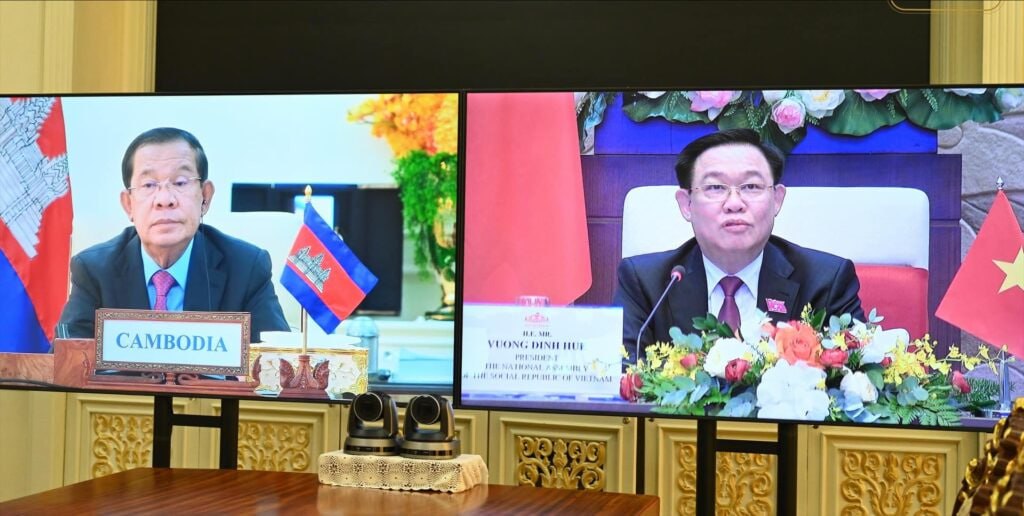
[
  {"x": 676, "y": 335},
  {"x": 875, "y": 375},
  {"x": 858, "y": 117},
  {"x": 937, "y": 109},
  {"x": 672, "y": 106},
  {"x": 683, "y": 383}
]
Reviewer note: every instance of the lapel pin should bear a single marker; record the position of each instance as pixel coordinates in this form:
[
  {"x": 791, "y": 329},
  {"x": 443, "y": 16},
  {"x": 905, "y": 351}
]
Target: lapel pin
[{"x": 774, "y": 305}]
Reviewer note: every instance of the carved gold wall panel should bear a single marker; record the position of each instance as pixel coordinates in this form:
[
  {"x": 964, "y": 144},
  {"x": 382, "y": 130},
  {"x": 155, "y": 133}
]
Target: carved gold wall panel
[
  {"x": 560, "y": 463},
  {"x": 276, "y": 436},
  {"x": 745, "y": 483},
  {"x": 563, "y": 451},
  {"x": 882, "y": 471},
  {"x": 111, "y": 433}
]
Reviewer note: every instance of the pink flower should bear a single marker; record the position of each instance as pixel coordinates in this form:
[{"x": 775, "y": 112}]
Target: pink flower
[
  {"x": 788, "y": 114},
  {"x": 629, "y": 386},
  {"x": 688, "y": 361},
  {"x": 872, "y": 95},
  {"x": 735, "y": 369},
  {"x": 834, "y": 357},
  {"x": 711, "y": 101},
  {"x": 960, "y": 383},
  {"x": 886, "y": 362}
]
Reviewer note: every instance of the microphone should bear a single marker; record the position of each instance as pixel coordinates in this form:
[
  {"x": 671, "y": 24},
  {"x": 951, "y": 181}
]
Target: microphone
[{"x": 675, "y": 276}]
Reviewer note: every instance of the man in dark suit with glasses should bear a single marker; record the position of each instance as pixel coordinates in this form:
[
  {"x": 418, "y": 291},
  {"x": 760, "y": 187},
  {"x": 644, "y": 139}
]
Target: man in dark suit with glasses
[
  {"x": 168, "y": 259},
  {"x": 730, "y": 192}
]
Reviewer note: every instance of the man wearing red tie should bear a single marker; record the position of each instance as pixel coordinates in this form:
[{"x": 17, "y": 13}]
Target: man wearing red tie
[
  {"x": 168, "y": 259},
  {"x": 730, "y": 192}
]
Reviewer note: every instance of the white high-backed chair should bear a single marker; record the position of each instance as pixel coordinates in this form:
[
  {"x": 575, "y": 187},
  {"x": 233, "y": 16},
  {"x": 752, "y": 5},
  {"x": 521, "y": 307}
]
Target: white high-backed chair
[
  {"x": 275, "y": 232},
  {"x": 884, "y": 231}
]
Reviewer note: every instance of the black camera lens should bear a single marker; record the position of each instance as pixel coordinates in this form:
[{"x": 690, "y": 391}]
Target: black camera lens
[
  {"x": 368, "y": 406},
  {"x": 426, "y": 410}
]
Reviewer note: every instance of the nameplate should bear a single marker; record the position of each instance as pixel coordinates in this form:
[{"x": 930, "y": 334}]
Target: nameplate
[
  {"x": 545, "y": 351},
  {"x": 173, "y": 342}
]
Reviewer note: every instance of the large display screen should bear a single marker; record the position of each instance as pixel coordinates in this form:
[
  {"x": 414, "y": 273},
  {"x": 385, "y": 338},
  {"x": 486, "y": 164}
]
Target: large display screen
[
  {"x": 71, "y": 188},
  {"x": 594, "y": 238}
]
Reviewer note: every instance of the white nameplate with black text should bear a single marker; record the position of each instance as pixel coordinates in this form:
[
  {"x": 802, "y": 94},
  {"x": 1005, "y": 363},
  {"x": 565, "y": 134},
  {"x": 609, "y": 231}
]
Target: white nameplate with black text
[
  {"x": 544, "y": 351},
  {"x": 175, "y": 342}
]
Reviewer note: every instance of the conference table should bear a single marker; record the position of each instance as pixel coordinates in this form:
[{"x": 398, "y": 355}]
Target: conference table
[{"x": 218, "y": 491}]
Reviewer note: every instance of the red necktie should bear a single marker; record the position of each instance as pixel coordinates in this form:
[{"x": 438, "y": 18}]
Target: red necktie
[
  {"x": 163, "y": 281},
  {"x": 730, "y": 312}
]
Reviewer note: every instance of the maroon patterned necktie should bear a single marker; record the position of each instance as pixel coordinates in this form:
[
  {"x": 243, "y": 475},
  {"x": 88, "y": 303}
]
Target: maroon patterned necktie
[
  {"x": 163, "y": 281},
  {"x": 730, "y": 312}
]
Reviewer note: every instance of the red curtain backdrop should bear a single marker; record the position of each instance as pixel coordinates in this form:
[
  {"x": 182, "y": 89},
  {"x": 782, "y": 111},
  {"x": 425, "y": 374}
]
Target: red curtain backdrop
[{"x": 526, "y": 227}]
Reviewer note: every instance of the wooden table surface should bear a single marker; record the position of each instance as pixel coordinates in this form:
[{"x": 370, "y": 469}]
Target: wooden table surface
[{"x": 194, "y": 491}]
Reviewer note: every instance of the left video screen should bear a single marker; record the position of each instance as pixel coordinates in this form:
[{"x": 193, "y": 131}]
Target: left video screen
[{"x": 197, "y": 204}]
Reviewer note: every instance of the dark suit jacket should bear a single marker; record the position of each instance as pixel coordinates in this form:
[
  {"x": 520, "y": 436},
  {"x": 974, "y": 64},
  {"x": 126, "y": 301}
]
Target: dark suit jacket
[
  {"x": 789, "y": 273},
  {"x": 225, "y": 274}
]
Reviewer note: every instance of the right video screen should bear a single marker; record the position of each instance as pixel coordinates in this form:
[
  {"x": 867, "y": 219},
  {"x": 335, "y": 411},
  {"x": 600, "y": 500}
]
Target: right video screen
[{"x": 844, "y": 255}]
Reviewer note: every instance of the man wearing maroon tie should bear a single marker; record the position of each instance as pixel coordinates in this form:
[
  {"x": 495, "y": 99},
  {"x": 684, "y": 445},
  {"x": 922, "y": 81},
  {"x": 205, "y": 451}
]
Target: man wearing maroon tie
[
  {"x": 168, "y": 259},
  {"x": 730, "y": 192}
]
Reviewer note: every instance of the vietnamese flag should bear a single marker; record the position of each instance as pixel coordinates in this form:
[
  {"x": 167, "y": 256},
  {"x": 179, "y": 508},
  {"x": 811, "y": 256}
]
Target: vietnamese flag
[
  {"x": 986, "y": 298},
  {"x": 525, "y": 223},
  {"x": 323, "y": 273}
]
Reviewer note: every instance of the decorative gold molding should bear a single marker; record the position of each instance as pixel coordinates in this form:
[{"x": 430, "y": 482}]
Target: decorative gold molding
[
  {"x": 890, "y": 482},
  {"x": 274, "y": 446},
  {"x": 898, "y": 471},
  {"x": 573, "y": 464},
  {"x": 108, "y": 433},
  {"x": 745, "y": 483},
  {"x": 276, "y": 436},
  {"x": 120, "y": 443},
  {"x": 594, "y": 452}
]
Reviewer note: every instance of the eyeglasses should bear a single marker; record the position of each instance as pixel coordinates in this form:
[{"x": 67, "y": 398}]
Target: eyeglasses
[
  {"x": 747, "y": 191},
  {"x": 177, "y": 186}
]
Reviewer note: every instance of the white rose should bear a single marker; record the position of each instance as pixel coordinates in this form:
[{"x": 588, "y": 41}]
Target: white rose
[
  {"x": 859, "y": 386},
  {"x": 773, "y": 96},
  {"x": 1009, "y": 99},
  {"x": 820, "y": 103},
  {"x": 793, "y": 392},
  {"x": 652, "y": 94},
  {"x": 723, "y": 352},
  {"x": 963, "y": 92}
]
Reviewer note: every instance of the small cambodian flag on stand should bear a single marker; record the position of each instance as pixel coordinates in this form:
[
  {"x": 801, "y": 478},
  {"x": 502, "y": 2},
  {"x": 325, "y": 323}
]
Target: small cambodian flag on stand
[{"x": 323, "y": 274}]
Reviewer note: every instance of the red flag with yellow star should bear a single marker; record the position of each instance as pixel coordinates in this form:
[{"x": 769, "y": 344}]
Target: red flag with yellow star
[{"x": 986, "y": 298}]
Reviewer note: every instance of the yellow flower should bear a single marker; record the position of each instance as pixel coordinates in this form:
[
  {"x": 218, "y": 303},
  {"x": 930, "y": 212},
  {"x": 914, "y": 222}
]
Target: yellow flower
[{"x": 417, "y": 121}]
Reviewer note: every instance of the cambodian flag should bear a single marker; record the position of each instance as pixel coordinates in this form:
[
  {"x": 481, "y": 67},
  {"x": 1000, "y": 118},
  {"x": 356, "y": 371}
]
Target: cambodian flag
[
  {"x": 323, "y": 274},
  {"x": 35, "y": 222}
]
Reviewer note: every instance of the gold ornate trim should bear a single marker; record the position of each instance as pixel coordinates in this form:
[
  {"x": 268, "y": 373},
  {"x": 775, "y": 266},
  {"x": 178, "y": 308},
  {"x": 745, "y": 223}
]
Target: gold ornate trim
[{"x": 572, "y": 464}]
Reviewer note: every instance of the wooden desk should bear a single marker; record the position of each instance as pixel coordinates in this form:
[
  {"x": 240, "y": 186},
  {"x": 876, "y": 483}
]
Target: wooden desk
[{"x": 246, "y": 492}]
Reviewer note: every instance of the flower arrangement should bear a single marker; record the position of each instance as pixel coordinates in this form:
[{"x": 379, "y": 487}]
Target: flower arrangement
[
  {"x": 834, "y": 369},
  {"x": 422, "y": 130},
  {"x": 782, "y": 116}
]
